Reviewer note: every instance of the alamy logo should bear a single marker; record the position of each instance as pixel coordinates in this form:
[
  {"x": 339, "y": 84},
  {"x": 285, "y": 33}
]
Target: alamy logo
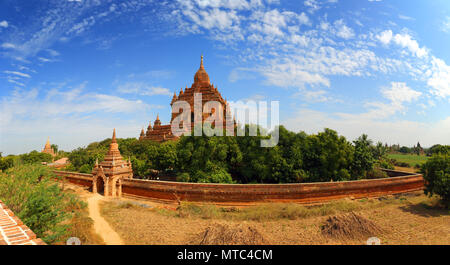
[{"x": 212, "y": 118}]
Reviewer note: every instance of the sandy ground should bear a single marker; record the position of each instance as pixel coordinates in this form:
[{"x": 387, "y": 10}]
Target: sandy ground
[
  {"x": 102, "y": 227},
  {"x": 405, "y": 223},
  {"x": 402, "y": 224}
]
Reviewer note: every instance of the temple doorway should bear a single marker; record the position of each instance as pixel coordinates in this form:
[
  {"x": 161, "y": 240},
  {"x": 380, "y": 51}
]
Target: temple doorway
[{"x": 100, "y": 186}]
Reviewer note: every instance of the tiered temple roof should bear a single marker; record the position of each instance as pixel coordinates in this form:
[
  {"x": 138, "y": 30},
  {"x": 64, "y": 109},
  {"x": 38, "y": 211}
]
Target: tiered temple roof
[
  {"x": 113, "y": 164},
  {"x": 201, "y": 85},
  {"x": 48, "y": 148}
]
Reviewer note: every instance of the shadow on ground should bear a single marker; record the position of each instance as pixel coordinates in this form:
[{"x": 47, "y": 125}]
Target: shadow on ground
[{"x": 426, "y": 210}]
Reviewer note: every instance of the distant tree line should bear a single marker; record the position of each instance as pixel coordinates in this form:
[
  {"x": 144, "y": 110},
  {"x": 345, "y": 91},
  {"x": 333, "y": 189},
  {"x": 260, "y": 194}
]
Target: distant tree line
[
  {"x": 298, "y": 157},
  {"x": 29, "y": 158},
  {"x": 419, "y": 150}
]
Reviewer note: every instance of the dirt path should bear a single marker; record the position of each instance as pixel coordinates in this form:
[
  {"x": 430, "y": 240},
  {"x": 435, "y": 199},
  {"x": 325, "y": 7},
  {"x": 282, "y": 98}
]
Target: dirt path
[{"x": 100, "y": 225}]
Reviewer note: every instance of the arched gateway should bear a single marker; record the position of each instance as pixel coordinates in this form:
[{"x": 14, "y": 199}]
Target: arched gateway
[{"x": 108, "y": 175}]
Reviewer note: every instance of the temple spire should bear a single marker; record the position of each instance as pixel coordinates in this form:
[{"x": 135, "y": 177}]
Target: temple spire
[
  {"x": 114, "y": 136},
  {"x": 201, "y": 78}
]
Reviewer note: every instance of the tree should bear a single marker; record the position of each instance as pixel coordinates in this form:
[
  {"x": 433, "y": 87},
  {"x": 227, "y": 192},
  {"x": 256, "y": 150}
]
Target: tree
[
  {"x": 327, "y": 156},
  {"x": 200, "y": 155},
  {"x": 379, "y": 151},
  {"x": 166, "y": 157},
  {"x": 436, "y": 149},
  {"x": 35, "y": 157},
  {"x": 55, "y": 148},
  {"x": 404, "y": 150},
  {"x": 363, "y": 157},
  {"x": 7, "y": 162},
  {"x": 436, "y": 173}
]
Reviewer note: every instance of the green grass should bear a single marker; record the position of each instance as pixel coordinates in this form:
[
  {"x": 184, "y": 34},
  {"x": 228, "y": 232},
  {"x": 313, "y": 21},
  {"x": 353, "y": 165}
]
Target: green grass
[{"x": 409, "y": 158}]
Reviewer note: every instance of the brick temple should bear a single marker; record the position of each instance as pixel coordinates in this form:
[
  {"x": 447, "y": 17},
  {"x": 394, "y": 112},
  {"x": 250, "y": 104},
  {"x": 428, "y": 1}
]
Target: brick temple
[
  {"x": 48, "y": 149},
  {"x": 108, "y": 175},
  {"x": 209, "y": 92}
]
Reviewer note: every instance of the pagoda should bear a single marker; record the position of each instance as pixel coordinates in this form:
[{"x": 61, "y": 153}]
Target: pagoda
[
  {"x": 208, "y": 91},
  {"x": 108, "y": 175},
  {"x": 48, "y": 148}
]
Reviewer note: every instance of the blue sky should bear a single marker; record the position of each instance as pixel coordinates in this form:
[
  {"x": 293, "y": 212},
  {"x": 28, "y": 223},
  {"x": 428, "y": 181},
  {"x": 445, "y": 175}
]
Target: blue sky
[{"x": 73, "y": 70}]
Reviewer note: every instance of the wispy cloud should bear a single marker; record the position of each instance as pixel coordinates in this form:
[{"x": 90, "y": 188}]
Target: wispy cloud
[
  {"x": 17, "y": 73},
  {"x": 68, "y": 112},
  {"x": 143, "y": 89},
  {"x": 405, "y": 17},
  {"x": 446, "y": 25}
]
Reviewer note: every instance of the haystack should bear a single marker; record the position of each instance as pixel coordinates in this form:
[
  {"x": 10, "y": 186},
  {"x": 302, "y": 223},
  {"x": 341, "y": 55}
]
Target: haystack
[
  {"x": 350, "y": 226},
  {"x": 224, "y": 234}
]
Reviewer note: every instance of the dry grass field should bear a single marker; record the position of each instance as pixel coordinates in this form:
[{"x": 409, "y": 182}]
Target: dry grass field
[{"x": 406, "y": 219}]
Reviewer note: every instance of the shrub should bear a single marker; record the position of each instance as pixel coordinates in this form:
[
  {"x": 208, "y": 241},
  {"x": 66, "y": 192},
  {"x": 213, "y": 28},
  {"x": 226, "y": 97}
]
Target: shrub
[
  {"x": 32, "y": 194},
  {"x": 85, "y": 169},
  {"x": 376, "y": 174},
  {"x": 436, "y": 172},
  {"x": 184, "y": 177},
  {"x": 385, "y": 163}
]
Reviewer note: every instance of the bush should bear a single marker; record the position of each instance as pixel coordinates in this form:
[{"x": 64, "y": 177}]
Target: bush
[
  {"x": 436, "y": 172},
  {"x": 376, "y": 174},
  {"x": 385, "y": 163},
  {"x": 184, "y": 177},
  {"x": 85, "y": 168},
  {"x": 32, "y": 194}
]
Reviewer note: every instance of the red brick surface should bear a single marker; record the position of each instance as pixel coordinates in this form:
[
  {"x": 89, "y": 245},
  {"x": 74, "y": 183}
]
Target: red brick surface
[{"x": 234, "y": 194}]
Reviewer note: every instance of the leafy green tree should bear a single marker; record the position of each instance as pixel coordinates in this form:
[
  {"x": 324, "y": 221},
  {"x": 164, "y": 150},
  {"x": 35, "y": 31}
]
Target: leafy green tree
[
  {"x": 7, "y": 162},
  {"x": 197, "y": 154},
  {"x": 55, "y": 148},
  {"x": 35, "y": 157},
  {"x": 436, "y": 173},
  {"x": 405, "y": 150},
  {"x": 379, "y": 151},
  {"x": 327, "y": 156},
  {"x": 166, "y": 157},
  {"x": 436, "y": 149},
  {"x": 363, "y": 159}
]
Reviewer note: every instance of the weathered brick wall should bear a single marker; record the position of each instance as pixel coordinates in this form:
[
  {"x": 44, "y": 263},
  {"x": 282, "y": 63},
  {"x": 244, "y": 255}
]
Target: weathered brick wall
[
  {"x": 76, "y": 178},
  {"x": 250, "y": 193}
]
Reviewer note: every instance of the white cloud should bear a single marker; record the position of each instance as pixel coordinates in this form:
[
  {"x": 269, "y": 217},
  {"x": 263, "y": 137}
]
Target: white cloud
[
  {"x": 273, "y": 23},
  {"x": 3, "y": 24},
  {"x": 141, "y": 88},
  {"x": 7, "y": 45},
  {"x": 229, "y": 4},
  {"x": 399, "y": 92},
  {"x": 292, "y": 75},
  {"x": 385, "y": 37},
  {"x": 17, "y": 73},
  {"x": 405, "y": 17},
  {"x": 343, "y": 30},
  {"x": 446, "y": 25},
  {"x": 74, "y": 116},
  {"x": 406, "y": 41},
  {"x": 439, "y": 80}
]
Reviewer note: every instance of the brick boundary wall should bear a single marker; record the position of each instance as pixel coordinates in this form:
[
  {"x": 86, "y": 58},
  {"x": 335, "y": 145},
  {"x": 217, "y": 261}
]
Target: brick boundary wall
[
  {"x": 236, "y": 194},
  {"x": 13, "y": 231}
]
